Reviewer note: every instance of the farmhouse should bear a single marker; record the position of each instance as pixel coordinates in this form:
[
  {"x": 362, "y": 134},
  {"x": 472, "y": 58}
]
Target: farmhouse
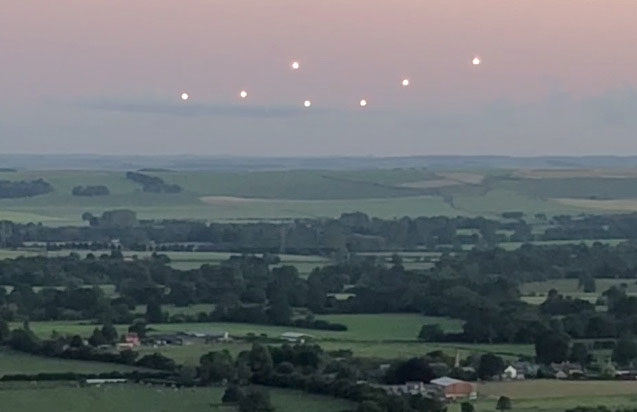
[
  {"x": 510, "y": 373},
  {"x": 414, "y": 388},
  {"x": 455, "y": 388},
  {"x": 295, "y": 337},
  {"x": 129, "y": 341},
  {"x": 518, "y": 371},
  {"x": 217, "y": 336},
  {"x": 567, "y": 370},
  {"x": 187, "y": 338}
]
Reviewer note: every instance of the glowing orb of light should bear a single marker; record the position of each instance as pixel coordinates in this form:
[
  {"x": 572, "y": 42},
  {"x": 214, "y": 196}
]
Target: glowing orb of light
[
  {"x": 243, "y": 94},
  {"x": 476, "y": 61},
  {"x": 405, "y": 82},
  {"x": 295, "y": 65},
  {"x": 363, "y": 103},
  {"x": 185, "y": 96},
  {"x": 307, "y": 103}
]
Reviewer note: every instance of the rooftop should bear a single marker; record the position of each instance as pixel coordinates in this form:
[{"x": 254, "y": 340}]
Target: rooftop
[{"x": 445, "y": 381}]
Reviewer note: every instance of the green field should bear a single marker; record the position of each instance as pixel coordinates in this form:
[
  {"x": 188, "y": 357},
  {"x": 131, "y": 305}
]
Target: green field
[
  {"x": 556, "y": 396},
  {"x": 399, "y": 327},
  {"x": 277, "y": 195},
  {"x": 388, "y": 326},
  {"x": 385, "y": 336},
  {"x": 12, "y": 362},
  {"x": 46, "y": 397}
]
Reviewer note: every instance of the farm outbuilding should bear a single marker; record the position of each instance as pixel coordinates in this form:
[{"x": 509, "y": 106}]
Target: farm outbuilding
[{"x": 455, "y": 388}]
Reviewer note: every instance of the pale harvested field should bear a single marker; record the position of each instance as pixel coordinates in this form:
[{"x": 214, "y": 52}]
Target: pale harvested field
[
  {"x": 463, "y": 177},
  {"x": 550, "y": 388},
  {"x": 619, "y": 205},
  {"x": 572, "y": 173},
  {"x": 431, "y": 184}
]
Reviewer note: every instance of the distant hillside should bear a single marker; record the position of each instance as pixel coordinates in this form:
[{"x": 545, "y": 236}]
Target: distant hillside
[{"x": 239, "y": 163}]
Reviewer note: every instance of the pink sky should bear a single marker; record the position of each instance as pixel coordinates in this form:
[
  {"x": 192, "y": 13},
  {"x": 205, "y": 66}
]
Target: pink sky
[{"x": 86, "y": 50}]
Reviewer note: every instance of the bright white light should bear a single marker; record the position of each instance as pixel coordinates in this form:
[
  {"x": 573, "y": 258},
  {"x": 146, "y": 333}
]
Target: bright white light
[
  {"x": 405, "y": 82},
  {"x": 363, "y": 103},
  {"x": 243, "y": 94},
  {"x": 295, "y": 65},
  {"x": 307, "y": 103},
  {"x": 476, "y": 61},
  {"x": 184, "y": 96}
]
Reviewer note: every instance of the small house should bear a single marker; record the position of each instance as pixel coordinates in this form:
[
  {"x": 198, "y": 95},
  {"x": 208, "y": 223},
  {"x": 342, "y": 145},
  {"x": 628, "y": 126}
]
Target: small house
[
  {"x": 131, "y": 338},
  {"x": 217, "y": 337},
  {"x": 295, "y": 337}
]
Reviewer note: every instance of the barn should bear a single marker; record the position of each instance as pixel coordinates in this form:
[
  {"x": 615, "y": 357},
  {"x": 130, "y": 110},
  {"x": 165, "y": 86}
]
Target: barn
[{"x": 455, "y": 388}]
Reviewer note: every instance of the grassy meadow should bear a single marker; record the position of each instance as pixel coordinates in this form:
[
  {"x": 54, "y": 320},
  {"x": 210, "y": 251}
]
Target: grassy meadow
[
  {"x": 555, "y": 396},
  {"x": 382, "y": 336},
  {"x": 384, "y": 193},
  {"x": 12, "y": 362},
  {"x": 67, "y": 397}
]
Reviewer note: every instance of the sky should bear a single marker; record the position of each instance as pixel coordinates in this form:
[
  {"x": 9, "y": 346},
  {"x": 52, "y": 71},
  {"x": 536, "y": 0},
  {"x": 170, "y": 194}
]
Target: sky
[{"x": 558, "y": 77}]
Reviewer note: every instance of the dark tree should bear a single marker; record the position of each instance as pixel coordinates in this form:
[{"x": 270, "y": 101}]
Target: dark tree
[
  {"x": 260, "y": 361},
  {"x": 76, "y": 341},
  {"x": 154, "y": 313},
  {"x": 552, "y": 347},
  {"x": 4, "y": 330},
  {"x": 490, "y": 365},
  {"x": 139, "y": 328},
  {"x": 157, "y": 361},
  {"x": 412, "y": 370},
  {"x": 232, "y": 394},
  {"x": 109, "y": 332},
  {"x": 369, "y": 406},
  {"x": 466, "y": 407},
  {"x": 504, "y": 403},
  {"x": 625, "y": 351},
  {"x": 216, "y": 366},
  {"x": 97, "y": 338},
  {"x": 431, "y": 333},
  {"x": 280, "y": 311},
  {"x": 255, "y": 400},
  {"x": 579, "y": 353}
]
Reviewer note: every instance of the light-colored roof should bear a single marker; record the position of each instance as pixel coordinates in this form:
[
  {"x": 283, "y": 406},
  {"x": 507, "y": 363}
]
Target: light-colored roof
[
  {"x": 445, "y": 381},
  {"x": 99, "y": 381},
  {"x": 295, "y": 335}
]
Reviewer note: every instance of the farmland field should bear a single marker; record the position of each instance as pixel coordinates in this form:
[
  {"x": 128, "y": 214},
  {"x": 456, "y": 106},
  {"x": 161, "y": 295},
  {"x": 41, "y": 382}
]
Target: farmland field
[
  {"x": 556, "y": 396},
  {"x": 276, "y": 195},
  {"x": 12, "y": 362},
  {"x": 42, "y": 397},
  {"x": 361, "y": 327}
]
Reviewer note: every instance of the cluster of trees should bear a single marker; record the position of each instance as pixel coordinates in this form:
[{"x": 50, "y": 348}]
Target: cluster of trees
[
  {"x": 152, "y": 184},
  {"x": 352, "y": 232},
  {"x": 309, "y": 368},
  {"x": 98, "y": 190},
  {"x": 74, "y": 347},
  {"x": 243, "y": 289},
  {"x": 479, "y": 287},
  {"x": 23, "y": 188}
]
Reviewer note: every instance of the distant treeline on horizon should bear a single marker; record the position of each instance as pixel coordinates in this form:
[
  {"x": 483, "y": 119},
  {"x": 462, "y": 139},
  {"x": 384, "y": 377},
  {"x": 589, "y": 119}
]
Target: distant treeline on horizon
[{"x": 240, "y": 163}]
